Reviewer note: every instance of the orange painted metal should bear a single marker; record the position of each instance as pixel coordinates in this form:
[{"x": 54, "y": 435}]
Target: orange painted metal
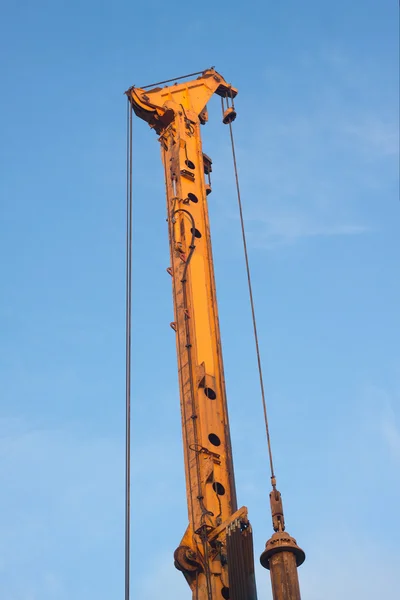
[{"x": 176, "y": 113}]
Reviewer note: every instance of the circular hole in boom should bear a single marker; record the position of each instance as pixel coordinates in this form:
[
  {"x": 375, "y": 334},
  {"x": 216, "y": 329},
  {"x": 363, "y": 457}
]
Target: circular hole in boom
[
  {"x": 225, "y": 593},
  {"x": 218, "y": 488},
  {"x": 190, "y": 164},
  {"x": 209, "y": 392},
  {"x": 214, "y": 439},
  {"x": 193, "y": 197}
]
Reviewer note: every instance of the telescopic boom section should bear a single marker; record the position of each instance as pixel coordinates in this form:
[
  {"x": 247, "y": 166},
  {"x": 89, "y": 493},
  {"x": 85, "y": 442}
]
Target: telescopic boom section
[{"x": 216, "y": 551}]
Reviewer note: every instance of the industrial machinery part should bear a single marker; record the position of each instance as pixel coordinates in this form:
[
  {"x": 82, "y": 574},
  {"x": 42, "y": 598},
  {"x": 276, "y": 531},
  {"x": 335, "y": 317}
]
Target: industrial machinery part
[{"x": 216, "y": 552}]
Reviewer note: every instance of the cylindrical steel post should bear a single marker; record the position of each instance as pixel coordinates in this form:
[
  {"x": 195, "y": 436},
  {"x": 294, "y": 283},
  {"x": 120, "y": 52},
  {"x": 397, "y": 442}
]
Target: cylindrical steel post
[
  {"x": 282, "y": 556},
  {"x": 284, "y": 579}
]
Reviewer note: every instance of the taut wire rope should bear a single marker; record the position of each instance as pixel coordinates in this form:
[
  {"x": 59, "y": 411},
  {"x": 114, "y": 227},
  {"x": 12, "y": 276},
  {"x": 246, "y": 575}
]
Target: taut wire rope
[
  {"x": 128, "y": 328},
  {"x": 253, "y": 312}
]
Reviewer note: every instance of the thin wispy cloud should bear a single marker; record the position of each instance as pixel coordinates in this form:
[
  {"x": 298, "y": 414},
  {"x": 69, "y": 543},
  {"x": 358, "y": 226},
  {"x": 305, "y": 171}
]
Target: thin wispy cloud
[
  {"x": 65, "y": 486},
  {"x": 62, "y": 486},
  {"x": 383, "y": 420},
  {"x": 373, "y": 136},
  {"x": 313, "y": 170},
  {"x": 390, "y": 428},
  {"x": 339, "y": 570},
  {"x": 287, "y": 229}
]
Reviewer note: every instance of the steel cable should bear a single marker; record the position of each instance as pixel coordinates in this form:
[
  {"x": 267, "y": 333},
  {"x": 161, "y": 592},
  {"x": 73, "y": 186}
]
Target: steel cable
[
  {"x": 128, "y": 298},
  {"x": 253, "y": 313}
]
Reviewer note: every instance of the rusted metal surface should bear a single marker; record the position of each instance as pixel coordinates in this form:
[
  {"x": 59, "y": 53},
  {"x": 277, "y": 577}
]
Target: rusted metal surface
[
  {"x": 281, "y": 557},
  {"x": 278, "y": 519},
  {"x": 186, "y": 560},
  {"x": 284, "y": 577}
]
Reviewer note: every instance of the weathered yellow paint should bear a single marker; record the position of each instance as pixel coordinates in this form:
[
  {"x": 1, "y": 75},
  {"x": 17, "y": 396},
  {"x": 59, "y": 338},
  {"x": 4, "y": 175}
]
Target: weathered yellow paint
[{"x": 174, "y": 112}]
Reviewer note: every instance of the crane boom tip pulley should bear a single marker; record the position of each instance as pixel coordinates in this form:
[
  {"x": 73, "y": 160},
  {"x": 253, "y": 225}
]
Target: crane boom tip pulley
[{"x": 155, "y": 105}]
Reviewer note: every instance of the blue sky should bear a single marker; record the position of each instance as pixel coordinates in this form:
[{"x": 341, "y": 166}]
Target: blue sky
[{"x": 317, "y": 145}]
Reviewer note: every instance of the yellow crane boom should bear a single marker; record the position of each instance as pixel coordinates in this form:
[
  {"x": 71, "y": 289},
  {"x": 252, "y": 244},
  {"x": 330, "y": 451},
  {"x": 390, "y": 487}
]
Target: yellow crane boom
[{"x": 216, "y": 551}]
